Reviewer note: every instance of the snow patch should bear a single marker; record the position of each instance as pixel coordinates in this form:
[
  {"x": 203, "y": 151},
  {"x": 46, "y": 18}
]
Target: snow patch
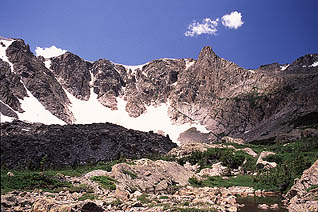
[
  {"x": 49, "y": 52},
  {"x": 36, "y": 112},
  {"x": 47, "y": 64},
  {"x": 189, "y": 64},
  {"x": 134, "y": 68},
  {"x": 314, "y": 64},
  {"x": 3, "y": 55},
  {"x": 283, "y": 68},
  {"x": 26, "y": 130},
  {"x": 4, "y": 118},
  {"x": 252, "y": 71},
  {"x": 156, "y": 117}
]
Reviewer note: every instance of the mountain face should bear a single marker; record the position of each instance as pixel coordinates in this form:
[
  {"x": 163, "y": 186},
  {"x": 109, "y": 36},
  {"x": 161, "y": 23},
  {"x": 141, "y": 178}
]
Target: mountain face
[{"x": 170, "y": 96}]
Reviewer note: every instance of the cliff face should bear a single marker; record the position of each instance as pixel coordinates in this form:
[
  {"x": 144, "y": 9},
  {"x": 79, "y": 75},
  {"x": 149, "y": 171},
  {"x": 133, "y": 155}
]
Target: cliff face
[{"x": 212, "y": 92}]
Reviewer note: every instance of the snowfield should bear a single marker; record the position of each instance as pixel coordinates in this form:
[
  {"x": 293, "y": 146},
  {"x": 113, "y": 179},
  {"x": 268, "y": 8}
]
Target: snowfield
[{"x": 155, "y": 119}]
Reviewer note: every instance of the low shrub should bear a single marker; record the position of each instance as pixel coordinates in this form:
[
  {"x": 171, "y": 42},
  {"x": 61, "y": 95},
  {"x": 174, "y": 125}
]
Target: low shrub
[
  {"x": 29, "y": 180},
  {"x": 87, "y": 196},
  {"x": 129, "y": 173},
  {"x": 105, "y": 181},
  {"x": 228, "y": 157},
  {"x": 144, "y": 199}
]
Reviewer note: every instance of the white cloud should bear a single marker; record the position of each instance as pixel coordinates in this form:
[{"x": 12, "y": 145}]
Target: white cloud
[
  {"x": 207, "y": 26},
  {"x": 232, "y": 20},
  {"x": 49, "y": 52}
]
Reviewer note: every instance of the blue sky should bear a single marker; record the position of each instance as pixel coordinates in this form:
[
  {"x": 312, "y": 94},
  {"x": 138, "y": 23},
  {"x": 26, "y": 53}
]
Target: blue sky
[{"x": 133, "y": 32}]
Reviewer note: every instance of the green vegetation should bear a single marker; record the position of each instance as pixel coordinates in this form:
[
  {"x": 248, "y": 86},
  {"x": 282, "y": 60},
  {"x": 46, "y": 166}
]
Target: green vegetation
[
  {"x": 129, "y": 173},
  {"x": 29, "y": 180},
  {"x": 292, "y": 159},
  {"x": 228, "y": 157},
  {"x": 48, "y": 180},
  {"x": 87, "y": 196},
  {"x": 116, "y": 203},
  {"x": 80, "y": 170},
  {"x": 192, "y": 210},
  {"x": 163, "y": 197},
  {"x": 105, "y": 181},
  {"x": 144, "y": 199},
  {"x": 240, "y": 180},
  {"x": 312, "y": 187}
]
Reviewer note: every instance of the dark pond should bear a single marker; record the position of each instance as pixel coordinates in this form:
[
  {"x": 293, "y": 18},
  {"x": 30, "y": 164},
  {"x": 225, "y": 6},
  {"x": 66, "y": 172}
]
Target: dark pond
[{"x": 251, "y": 204}]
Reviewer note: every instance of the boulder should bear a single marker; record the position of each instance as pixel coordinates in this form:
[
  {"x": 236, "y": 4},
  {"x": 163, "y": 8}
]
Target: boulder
[
  {"x": 228, "y": 139},
  {"x": 216, "y": 170},
  {"x": 91, "y": 207},
  {"x": 261, "y": 163},
  {"x": 301, "y": 197},
  {"x": 250, "y": 152},
  {"x": 150, "y": 176}
]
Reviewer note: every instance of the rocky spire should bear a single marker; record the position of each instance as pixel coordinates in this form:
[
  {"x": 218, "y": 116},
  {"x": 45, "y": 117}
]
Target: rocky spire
[{"x": 207, "y": 54}]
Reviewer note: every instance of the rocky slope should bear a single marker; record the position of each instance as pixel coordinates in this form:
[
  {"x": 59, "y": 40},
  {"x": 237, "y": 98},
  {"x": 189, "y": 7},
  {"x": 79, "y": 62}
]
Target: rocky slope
[
  {"x": 303, "y": 196},
  {"x": 34, "y": 146},
  {"x": 211, "y": 93}
]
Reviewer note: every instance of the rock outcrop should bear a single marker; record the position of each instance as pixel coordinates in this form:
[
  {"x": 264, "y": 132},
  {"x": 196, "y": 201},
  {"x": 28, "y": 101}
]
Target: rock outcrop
[
  {"x": 30, "y": 72},
  {"x": 73, "y": 74},
  {"x": 303, "y": 194},
  {"x": 149, "y": 176},
  {"x": 262, "y": 163},
  {"x": 25, "y": 145}
]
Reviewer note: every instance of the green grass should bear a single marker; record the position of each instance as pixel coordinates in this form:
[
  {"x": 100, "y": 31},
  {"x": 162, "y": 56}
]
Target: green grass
[
  {"x": 48, "y": 180},
  {"x": 163, "y": 197},
  {"x": 292, "y": 159},
  {"x": 116, "y": 203},
  {"x": 87, "y": 196},
  {"x": 144, "y": 199},
  {"x": 105, "y": 181},
  {"x": 229, "y": 158},
  {"x": 192, "y": 210},
  {"x": 312, "y": 187},
  {"x": 240, "y": 180},
  {"x": 29, "y": 180}
]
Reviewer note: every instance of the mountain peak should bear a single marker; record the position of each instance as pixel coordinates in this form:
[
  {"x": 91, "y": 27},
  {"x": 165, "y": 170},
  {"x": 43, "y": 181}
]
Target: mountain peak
[{"x": 206, "y": 53}]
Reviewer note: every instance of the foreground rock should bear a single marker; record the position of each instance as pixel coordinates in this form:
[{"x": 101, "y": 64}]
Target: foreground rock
[
  {"x": 28, "y": 145},
  {"x": 303, "y": 195},
  {"x": 150, "y": 176},
  {"x": 187, "y": 149},
  {"x": 141, "y": 185},
  {"x": 262, "y": 163}
]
